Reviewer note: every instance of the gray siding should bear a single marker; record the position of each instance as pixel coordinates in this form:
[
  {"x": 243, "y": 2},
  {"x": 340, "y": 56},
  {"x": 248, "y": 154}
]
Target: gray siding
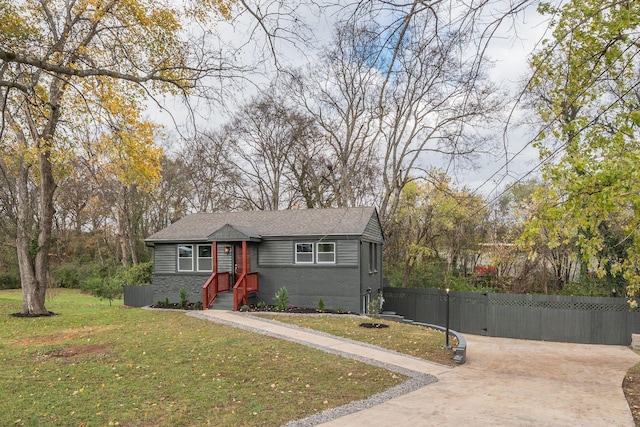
[
  {"x": 347, "y": 252},
  {"x": 337, "y": 286},
  {"x": 164, "y": 258},
  {"x": 275, "y": 252},
  {"x": 373, "y": 232},
  {"x": 225, "y": 261}
]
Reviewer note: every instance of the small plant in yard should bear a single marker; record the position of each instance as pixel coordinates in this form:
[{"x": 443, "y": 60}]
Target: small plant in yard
[
  {"x": 282, "y": 299},
  {"x": 107, "y": 288},
  {"x": 244, "y": 308},
  {"x": 261, "y": 305},
  {"x": 374, "y": 308},
  {"x": 166, "y": 301},
  {"x": 338, "y": 310},
  {"x": 198, "y": 305},
  {"x": 183, "y": 298},
  {"x": 321, "y": 305}
]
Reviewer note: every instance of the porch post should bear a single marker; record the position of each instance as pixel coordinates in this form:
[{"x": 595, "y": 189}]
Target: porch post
[
  {"x": 214, "y": 256},
  {"x": 244, "y": 269}
]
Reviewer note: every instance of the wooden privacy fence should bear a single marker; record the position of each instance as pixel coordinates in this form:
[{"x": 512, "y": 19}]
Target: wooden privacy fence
[
  {"x": 586, "y": 320},
  {"x": 138, "y": 296}
]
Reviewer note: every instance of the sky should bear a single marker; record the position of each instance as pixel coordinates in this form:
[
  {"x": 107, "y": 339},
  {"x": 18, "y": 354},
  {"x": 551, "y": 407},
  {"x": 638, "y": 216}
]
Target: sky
[{"x": 509, "y": 49}]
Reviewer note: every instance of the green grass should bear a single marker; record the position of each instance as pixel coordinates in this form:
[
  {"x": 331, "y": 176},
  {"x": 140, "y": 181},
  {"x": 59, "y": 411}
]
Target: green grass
[
  {"x": 97, "y": 365},
  {"x": 414, "y": 340}
]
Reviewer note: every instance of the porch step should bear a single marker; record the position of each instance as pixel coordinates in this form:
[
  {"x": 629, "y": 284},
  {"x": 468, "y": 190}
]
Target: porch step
[
  {"x": 224, "y": 301},
  {"x": 391, "y": 315}
]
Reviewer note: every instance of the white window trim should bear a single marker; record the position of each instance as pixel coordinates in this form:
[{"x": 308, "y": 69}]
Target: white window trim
[
  {"x": 295, "y": 249},
  {"x": 179, "y": 258},
  {"x": 318, "y": 253},
  {"x": 198, "y": 258}
]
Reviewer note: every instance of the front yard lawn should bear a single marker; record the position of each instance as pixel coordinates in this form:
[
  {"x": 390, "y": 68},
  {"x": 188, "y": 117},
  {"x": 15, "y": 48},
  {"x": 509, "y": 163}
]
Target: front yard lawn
[{"x": 93, "y": 364}]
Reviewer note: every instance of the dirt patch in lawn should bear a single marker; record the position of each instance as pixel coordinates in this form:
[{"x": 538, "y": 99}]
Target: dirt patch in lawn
[
  {"x": 64, "y": 335},
  {"x": 79, "y": 350}
]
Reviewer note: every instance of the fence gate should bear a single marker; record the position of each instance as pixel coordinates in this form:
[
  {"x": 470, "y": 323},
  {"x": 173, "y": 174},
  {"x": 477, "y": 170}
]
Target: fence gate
[{"x": 472, "y": 312}]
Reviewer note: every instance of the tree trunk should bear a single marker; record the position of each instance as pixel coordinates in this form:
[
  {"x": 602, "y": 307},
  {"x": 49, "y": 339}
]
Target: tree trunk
[
  {"x": 32, "y": 302},
  {"x": 34, "y": 262},
  {"x": 34, "y": 266}
]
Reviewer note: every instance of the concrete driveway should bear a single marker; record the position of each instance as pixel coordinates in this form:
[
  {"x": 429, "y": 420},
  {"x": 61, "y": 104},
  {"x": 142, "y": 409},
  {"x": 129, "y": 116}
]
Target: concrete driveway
[
  {"x": 505, "y": 382},
  {"x": 511, "y": 382}
]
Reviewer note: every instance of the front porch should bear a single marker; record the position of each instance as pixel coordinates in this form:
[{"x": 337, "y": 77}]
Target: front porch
[{"x": 240, "y": 281}]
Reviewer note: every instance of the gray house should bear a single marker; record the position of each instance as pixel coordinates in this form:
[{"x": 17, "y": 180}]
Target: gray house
[{"x": 329, "y": 254}]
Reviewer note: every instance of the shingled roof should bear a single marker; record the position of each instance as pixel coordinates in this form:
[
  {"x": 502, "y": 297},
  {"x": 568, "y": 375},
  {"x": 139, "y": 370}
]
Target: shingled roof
[{"x": 297, "y": 222}]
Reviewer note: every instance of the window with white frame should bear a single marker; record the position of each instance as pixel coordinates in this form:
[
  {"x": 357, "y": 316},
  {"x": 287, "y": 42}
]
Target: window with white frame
[
  {"x": 205, "y": 260},
  {"x": 304, "y": 253},
  {"x": 326, "y": 253},
  {"x": 373, "y": 257},
  {"x": 185, "y": 257}
]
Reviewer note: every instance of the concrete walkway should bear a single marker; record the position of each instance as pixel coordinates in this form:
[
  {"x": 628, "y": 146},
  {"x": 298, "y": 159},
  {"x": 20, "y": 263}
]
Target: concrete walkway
[{"x": 505, "y": 382}]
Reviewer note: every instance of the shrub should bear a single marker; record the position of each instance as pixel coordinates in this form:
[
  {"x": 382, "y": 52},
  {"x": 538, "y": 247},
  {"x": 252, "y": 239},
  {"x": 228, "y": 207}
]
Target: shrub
[
  {"x": 374, "y": 308},
  {"x": 261, "y": 305},
  {"x": 321, "y": 305},
  {"x": 66, "y": 276},
  {"x": 90, "y": 283},
  {"x": 244, "y": 308},
  {"x": 183, "y": 298},
  {"x": 282, "y": 299},
  {"x": 10, "y": 281},
  {"x": 139, "y": 274}
]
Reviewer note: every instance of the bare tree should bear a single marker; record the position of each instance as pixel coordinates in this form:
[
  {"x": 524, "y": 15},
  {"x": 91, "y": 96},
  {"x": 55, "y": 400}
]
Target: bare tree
[
  {"x": 212, "y": 178},
  {"x": 170, "y": 199},
  {"x": 275, "y": 151},
  {"x": 338, "y": 94}
]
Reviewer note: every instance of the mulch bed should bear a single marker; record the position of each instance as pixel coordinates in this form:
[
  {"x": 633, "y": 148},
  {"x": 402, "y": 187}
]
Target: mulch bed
[
  {"x": 294, "y": 309},
  {"x": 47, "y": 314},
  {"x": 373, "y": 325},
  {"x": 178, "y": 306},
  {"x": 631, "y": 388}
]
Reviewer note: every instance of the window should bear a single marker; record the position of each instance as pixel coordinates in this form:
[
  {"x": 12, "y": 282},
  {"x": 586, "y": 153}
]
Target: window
[
  {"x": 185, "y": 257},
  {"x": 373, "y": 257},
  {"x": 205, "y": 260},
  {"x": 304, "y": 253},
  {"x": 326, "y": 253}
]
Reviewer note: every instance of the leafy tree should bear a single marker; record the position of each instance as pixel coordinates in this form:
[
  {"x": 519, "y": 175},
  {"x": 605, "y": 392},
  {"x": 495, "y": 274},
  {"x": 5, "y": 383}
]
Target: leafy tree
[
  {"x": 435, "y": 221},
  {"x": 58, "y": 60},
  {"x": 585, "y": 88}
]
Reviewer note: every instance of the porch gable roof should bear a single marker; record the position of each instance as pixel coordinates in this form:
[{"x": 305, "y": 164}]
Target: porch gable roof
[{"x": 234, "y": 233}]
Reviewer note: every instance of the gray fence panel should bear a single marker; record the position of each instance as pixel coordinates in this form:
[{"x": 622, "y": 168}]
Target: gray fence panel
[
  {"x": 472, "y": 312},
  {"x": 567, "y": 325},
  {"x": 606, "y": 327},
  {"x": 400, "y": 300},
  {"x": 138, "y": 296},
  {"x": 592, "y": 320}
]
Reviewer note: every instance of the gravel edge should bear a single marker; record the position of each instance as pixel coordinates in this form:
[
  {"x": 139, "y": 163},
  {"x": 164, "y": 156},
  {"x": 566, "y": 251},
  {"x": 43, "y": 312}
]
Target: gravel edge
[{"x": 416, "y": 379}]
